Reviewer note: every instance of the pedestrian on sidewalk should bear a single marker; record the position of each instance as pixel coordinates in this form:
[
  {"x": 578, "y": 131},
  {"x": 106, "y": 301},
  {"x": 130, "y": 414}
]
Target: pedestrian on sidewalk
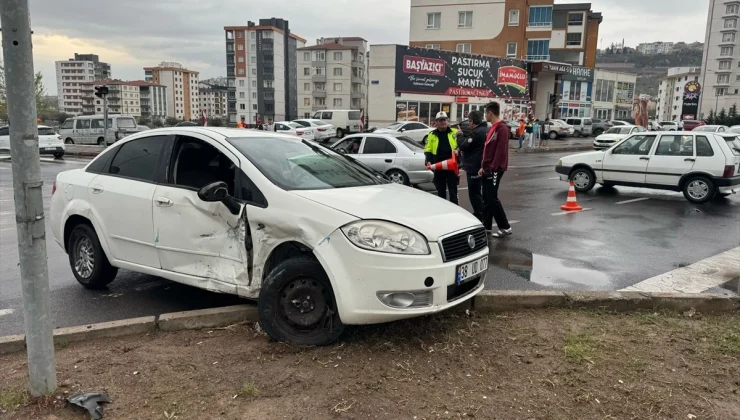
[
  {"x": 535, "y": 139},
  {"x": 520, "y": 132},
  {"x": 495, "y": 163},
  {"x": 528, "y": 133},
  {"x": 441, "y": 144},
  {"x": 545, "y": 134},
  {"x": 241, "y": 124},
  {"x": 472, "y": 155}
]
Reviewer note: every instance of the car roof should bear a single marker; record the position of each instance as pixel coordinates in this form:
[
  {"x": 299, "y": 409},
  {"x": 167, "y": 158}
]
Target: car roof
[
  {"x": 282, "y": 122},
  {"x": 39, "y": 126}
]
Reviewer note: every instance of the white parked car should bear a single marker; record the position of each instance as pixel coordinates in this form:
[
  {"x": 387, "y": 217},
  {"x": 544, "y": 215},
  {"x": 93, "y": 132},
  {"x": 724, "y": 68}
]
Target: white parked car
[
  {"x": 712, "y": 129},
  {"x": 50, "y": 143},
  {"x": 323, "y": 131},
  {"x": 288, "y": 127},
  {"x": 699, "y": 164},
  {"x": 315, "y": 237},
  {"x": 669, "y": 125},
  {"x": 90, "y": 129},
  {"x": 558, "y": 128},
  {"x": 735, "y": 129},
  {"x": 615, "y": 134},
  {"x": 412, "y": 129},
  {"x": 400, "y": 158}
]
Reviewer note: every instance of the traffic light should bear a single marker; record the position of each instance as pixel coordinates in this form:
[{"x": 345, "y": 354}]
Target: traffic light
[
  {"x": 554, "y": 98},
  {"x": 101, "y": 91}
]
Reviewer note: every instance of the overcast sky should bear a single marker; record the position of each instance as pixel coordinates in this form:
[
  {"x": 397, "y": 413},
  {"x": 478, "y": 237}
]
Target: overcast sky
[{"x": 138, "y": 33}]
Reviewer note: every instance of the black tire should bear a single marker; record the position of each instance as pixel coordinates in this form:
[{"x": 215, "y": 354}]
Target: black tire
[
  {"x": 699, "y": 189},
  {"x": 583, "y": 178},
  {"x": 553, "y": 135},
  {"x": 395, "y": 176},
  {"x": 102, "y": 272},
  {"x": 292, "y": 281},
  {"x": 101, "y": 141},
  {"x": 577, "y": 134},
  {"x": 340, "y": 133},
  {"x": 58, "y": 155},
  {"x": 69, "y": 141}
]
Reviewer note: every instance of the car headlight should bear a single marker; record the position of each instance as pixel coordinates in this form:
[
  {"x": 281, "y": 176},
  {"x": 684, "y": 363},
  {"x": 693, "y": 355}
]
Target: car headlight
[
  {"x": 377, "y": 235},
  {"x": 560, "y": 163}
]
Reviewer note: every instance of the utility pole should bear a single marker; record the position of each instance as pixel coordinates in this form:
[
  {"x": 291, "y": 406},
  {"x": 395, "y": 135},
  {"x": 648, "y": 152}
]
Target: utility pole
[
  {"x": 102, "y": 92},
  {"x": 29, "y": 206}
]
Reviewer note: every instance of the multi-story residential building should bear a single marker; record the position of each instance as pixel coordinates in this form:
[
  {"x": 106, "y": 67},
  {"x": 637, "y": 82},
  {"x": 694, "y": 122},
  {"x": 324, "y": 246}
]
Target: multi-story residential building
[
  {"x": 102, "y": 70},
  {"x": 332, "y": 75},
  {"x": 123, "y": 98},
  {"x": 720, "y": 71},
  {"x": 213, "y": 98},
  {"x": 671, "y": 93},
  {"x": 183, "y": 101},
  {"x": 655, "y": 47},
  {"x": 613, "y": 94},
  {"x": 524, "y": 29},
  {"x": 261, "y": 69},
  {"x": 153, "y": 100},
  {"x": 70, "y": 75}
]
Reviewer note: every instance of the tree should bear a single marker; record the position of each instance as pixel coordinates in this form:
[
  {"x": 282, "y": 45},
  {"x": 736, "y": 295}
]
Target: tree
[
  {"x": 157, "y": 122},
  {"x": 44, "y": 107},
  {"x": 711, "y": 117},
  {"x": 721, "y": 117},
  {"x": 732, "y": 113},
  {"x": 216, "y": 122},
  {"x": 144, "y": 121},
  {"x": 171, "y": 121},
  {"x": 61, "y": 117}
]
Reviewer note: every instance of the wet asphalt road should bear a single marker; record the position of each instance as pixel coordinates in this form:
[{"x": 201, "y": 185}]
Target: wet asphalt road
[{"x": 607, "y": 248}]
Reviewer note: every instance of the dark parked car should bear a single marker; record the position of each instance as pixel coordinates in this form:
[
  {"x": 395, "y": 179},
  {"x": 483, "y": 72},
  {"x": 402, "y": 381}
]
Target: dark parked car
[
  {"x": 599, "y": 126},
  {"x": 689, "y": 125}
]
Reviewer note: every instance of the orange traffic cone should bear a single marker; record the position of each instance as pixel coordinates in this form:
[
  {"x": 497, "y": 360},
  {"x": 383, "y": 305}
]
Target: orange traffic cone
[
  {"x": 571, "y": 204},
  {"x": 446, "y": 165}
]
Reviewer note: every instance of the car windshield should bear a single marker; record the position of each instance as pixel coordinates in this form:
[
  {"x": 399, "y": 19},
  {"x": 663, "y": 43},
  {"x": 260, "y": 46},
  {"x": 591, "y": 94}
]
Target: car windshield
[
  {"x": 619, "y": 130},
  {"x": 734, "y": 144},
  {"x": 46, "y": 131},
  {"x": 126, "y": 123},
  {"x": 299, "y": 165},
  {"x": 410, "y": 144},
  {"x": 293, "y": 125},
  {"x": 395, "y": 126}
]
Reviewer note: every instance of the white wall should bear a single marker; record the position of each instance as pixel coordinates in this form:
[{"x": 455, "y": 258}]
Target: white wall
[
  {"x": 279, "y": 83},
  {"x": 381, "y": 96},
  {"x": 545, "y": 86},
  {"x": 557, "y": 39},
  {"x": 488, "y": 20},
  {"x": 710, "y": 62}
]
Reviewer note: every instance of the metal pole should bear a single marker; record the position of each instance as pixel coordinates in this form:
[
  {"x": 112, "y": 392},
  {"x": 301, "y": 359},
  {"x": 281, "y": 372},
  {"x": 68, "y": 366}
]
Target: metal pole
[
  {"x": 105, "y": 120},
  {"x": 27, "y": 184}
]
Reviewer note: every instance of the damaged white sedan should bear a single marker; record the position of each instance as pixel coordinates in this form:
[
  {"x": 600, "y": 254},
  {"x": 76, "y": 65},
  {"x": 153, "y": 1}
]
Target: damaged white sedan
[{"x": 320, "y": 240}]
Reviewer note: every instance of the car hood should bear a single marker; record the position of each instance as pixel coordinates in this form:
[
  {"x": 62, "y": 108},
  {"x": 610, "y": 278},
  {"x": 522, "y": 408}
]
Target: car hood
[
  {"x": 585, "y": 157},
  {"x": 426, "y": 213},
  {"x": 611, "y": 136},
  {"x": 385, "y": 130}
]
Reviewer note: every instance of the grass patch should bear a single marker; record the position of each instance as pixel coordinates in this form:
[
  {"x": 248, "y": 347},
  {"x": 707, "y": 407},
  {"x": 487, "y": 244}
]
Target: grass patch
[
  {"x": 729, "y": 341},
  {"x": 580, "y": 347},
  {"x": 249, "y": 389},
  {"x": 10, "y": 400},
  {"x": 62, "y": 343}
]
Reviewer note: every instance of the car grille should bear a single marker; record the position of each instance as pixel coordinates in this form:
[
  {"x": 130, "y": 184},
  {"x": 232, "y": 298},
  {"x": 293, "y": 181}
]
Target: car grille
[
  {"x": 457, "y": 291},
  {"x": 456, "y": 246}
]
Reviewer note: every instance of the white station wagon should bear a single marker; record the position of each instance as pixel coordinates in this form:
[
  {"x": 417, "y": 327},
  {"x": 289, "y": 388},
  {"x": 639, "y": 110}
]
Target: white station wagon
[
  {"x": 319, "y": 240},
  {"x": 699, "y": 164}
]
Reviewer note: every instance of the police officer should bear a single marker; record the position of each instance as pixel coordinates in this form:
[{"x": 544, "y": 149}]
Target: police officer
[
  {"x": 441, "y": 144},
  {"x": 472, "y": 156}
]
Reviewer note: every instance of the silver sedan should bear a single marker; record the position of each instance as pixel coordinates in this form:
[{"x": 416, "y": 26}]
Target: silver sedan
[{"x": 399, "y": 157}]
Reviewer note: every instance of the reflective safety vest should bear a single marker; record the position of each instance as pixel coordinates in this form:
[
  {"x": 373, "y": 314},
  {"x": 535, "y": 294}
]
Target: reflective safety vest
[{"x": 433, "y": 141}]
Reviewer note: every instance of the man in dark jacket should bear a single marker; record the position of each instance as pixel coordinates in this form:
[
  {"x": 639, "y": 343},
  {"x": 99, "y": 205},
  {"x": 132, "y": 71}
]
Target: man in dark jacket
[
  {"x": 495, "y": 162},
  {"x": 472, "y": 155},
  {"x": 441, "y": 144}
]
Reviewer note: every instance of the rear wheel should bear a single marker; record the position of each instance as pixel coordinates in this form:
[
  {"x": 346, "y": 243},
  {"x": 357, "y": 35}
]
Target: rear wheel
[
  {"x": 89, "y": 264},
  {"x": 398, "y": 177},
  {"x": 583, "y": 179},
  {"x": 101, "y": 141},
  {"x": 699, "y": 189},
  {"x": 578, "y": 134},
  {"x": 69, "y": 141},
  {"x": 58, "y": 155},
  {"x": 297, "y": 304},
  {"x": 340, "y": 133},
  {"x": 553, "y": 135}
]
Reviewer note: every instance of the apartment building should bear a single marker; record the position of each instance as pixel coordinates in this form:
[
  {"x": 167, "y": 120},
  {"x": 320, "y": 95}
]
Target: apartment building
[
  {"x": 183, "y": 101},
  {"x": 673, "y": 90},
  {"x": 535, "y": 30},
  {"x": 153, "y": 99},
  {"x": 123, "y": 98},
  {"x": 720, "y": 71},
  {"x": 261, "y": 70},
  {"x": 332, "y": 75},
  {"x": 70, "y": 76},
  {"x": 102, "y": 70},
  {"x": 613, "y": 94},
  {"x": 655, "y": 47},
  {"x": 213, "y": 99}
]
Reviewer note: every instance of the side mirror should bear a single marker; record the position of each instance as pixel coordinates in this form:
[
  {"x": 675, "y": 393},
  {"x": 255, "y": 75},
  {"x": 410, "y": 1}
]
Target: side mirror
[
  {"x": 401, "y": 130},
  {"x": 214, "y": 192}
]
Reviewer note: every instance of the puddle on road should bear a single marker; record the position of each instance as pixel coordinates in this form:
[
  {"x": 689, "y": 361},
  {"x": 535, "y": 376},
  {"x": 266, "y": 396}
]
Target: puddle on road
[{"x": 549, "y": 271}]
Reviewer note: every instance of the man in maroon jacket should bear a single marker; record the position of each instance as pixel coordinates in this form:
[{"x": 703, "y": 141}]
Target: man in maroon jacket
[{"x": 495, "y": 163}]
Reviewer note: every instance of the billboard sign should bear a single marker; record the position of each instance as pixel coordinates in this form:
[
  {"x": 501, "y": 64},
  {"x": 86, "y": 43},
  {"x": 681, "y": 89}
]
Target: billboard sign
[
  {"x": 691, "y": 94},
  {"x": 434, "y": 72}
]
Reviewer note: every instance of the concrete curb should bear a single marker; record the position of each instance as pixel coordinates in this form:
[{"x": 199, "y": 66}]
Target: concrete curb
[{"x": 488, "y": 301}]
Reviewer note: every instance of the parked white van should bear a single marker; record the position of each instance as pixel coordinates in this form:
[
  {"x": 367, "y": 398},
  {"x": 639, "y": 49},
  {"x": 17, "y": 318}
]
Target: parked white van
[
  {"x": 346, "y": 121},
  {"x": 89, "y": 129}
]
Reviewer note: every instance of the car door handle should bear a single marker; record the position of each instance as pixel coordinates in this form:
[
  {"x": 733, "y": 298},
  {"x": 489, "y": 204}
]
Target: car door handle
[
  {"x": 644, "y": 158},
  {"x": 163, "y": 201},
  {"x": 689, "y": 160},
  {"x": 97, "y": 189},
  {"x": 389, "y": 161}
]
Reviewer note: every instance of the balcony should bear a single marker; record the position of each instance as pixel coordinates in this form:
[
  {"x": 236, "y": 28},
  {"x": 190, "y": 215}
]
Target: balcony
[
  {"x": 318, "y": 78},
  {"x": 318, "y": 94},
  {"x": 357, "y": 95},
  {"x": 318, "y": 107},
  {"x": 357, "y": 79}
]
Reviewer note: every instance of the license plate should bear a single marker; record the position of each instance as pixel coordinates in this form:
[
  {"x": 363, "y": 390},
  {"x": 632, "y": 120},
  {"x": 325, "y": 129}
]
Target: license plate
[{"x": 472, "y": 269}]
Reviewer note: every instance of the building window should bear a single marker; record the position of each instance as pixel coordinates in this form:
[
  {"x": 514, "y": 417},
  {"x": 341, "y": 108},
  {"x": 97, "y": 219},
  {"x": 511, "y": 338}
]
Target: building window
[
  {"x": 240, "y": 34},
  {"x": 730, "y": 23},
  {"x": 253, "y": 34},
  {"x": 229, "y": 34},
  {"x": 306, "y": 71},
  {"x": 241, "y": 71},
  {"x": 725, "y": 65},
  {"x": 540, "y": 16},
  {"x": 254, "y": 83},
  {"x": 306, "y": 101},
  {"x": 337, "y": 71},
  {"x": 306, "y": 87},
  {"x": 254, "y": 71},
  {"x": 433, "y": 20},
  {"x": 254, "y": 107},
  {"x": 729, "y": 36},
  {"x": 721, "y": 91},
  {"x": 514, "y": 17},
  {"x": 725, "y": 51},
  {"x": 337, "y": 87},
  {"x": 319, "y": 56},
  {"x": 732, "y": 9},
  {"x": 723, "y": 78},
  {"x": 268, "y": 83},
  {"x": 574, "y": 39},
  {"x": 319, "y": 87},
  {"x": 306, "y": 56},
  {"x": 337, "y": 102},
  {"x": 319, "y": 71},
  {"x": 511, "y": 49},
  {"x": 241, "y": 83},
  {"x": 575, "y": 19},
  {"x": 239, "y": 47},
  {"x": 337, "y": 56},
  {"x": 432, "y": 46},
  {"x": 538, "y": 49},
  {"x": 465, "y": 19},
  {"x": 240, "y": 59},
  {"x": 242, "y": 106},
  {"x": 463, "y": 48},
  {"x": 253, "y": 58},
  {"x": 241, "y": 95},
  {"x": 254, "y": 95}
]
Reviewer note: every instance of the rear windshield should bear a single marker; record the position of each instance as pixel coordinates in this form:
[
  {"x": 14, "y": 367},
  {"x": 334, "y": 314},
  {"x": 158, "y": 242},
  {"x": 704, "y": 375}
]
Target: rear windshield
[
  {"x": 46, "y": 131},
  {"x": 619, "y": 130},
  {"x": 410, "y": 144},
  {"x": 734, "y": 144},
  {"x": 126, "y": 123}
]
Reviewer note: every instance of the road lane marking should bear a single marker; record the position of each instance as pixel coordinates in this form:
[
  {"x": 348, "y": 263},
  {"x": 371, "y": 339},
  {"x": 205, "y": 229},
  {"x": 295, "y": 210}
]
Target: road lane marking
[
  {"x": 4, "y": 312},
  {"x": 634, "y": 200},
  {"x": 570, "y": 212},
  {"x": 694, "y": 278}
]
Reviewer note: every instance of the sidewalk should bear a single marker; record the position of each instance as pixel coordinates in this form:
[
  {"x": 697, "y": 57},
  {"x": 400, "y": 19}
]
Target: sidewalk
[{"x": 530, "y": 364}]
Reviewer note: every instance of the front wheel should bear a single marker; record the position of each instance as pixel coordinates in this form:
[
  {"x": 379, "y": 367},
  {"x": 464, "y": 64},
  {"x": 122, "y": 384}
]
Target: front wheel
[
  {"x": 340, "y": 133},
  {"x": 553, "y": 135},
  {"x": 89, "y": 264},
  {"x": 699, "y": 189},
  {"x": 58, "y": 155},
  {"x": 583, "y": 179},
  {"x": 101, "y": 141},
  {"x": 398, "y": 177},
  {"x": 69, "y": 141},
  {"x": 297, "y": 304}
]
